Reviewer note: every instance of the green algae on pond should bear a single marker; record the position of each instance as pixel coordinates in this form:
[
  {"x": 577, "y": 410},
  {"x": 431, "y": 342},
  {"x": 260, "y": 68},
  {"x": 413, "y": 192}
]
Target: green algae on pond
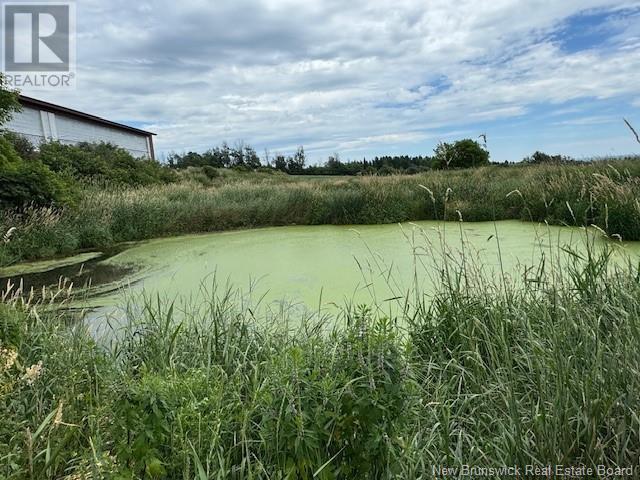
[
  {"x": 28, "y": 268},
  {"x": 322, "y": 265}
]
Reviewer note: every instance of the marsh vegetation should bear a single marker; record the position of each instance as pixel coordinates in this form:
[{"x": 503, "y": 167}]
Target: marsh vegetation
[
  {"x": 503, "y": 366},
  {"x": 602, "y": 193},
  {"x": 483, "y": 372}
]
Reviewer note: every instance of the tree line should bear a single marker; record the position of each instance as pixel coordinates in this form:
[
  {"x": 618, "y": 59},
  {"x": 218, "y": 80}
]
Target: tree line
[{"x": 461, "y": 154}]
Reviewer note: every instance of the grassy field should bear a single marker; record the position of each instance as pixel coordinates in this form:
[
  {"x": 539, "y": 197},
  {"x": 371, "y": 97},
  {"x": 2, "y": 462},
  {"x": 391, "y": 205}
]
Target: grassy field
[
  {"x": 602, "y": 193},
  {"x": 485, "y": 374}
]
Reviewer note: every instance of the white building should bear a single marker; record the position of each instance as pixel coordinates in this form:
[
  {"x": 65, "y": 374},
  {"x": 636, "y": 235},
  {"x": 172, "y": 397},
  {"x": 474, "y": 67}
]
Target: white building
[{"x": 42, "y": 121}]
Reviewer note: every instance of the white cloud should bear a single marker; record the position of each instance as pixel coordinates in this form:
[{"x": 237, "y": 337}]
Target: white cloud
[
  {"x": 590, "y": 120},
  {"x": 337, "y": 75},
  {"x": 392, "y": 138}
]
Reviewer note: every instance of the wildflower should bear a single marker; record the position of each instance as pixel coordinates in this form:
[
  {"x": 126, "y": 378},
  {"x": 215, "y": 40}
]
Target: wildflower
[
  {"x": 32, "y": 373},
  {"x": 7, "y": 358}
]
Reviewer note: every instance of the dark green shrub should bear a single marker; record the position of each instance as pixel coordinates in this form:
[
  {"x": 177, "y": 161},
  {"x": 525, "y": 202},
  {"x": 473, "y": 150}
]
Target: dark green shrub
[
  {"x": 344, "y": 398},
  {"x": 210, "y": 172},
  {"x": 104, "y": 162},
  {"x": 94, "y": 234},
  {"x": 465, "y": 153},
  {"x": 387, "y": 170},
  {"x": 25, "y": 182},
  {"x": 143, "y": 417},
  {"x": 21, "y": 144},
  {"x": 60, "y": 157},
  {"x": 541, "y": 158}
]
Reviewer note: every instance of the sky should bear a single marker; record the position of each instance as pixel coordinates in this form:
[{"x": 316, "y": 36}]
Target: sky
[{"x": 365, "y": 77}]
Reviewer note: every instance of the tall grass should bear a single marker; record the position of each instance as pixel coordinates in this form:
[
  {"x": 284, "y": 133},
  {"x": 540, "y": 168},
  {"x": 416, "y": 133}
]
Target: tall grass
[
  {"x": 603, "y": 193},
  {"x": 487, "y": 372}
]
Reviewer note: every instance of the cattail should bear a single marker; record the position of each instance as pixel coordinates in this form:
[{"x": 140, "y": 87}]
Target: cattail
[
  {"x": 515, "y": 192},
  {"x": 448, "y": 194},
  {"x": 571, "y": 211},
  {"x": 7, "y": 236},
  {"x": 58, "y": 418},
  {"x": 430, "y": 192}
]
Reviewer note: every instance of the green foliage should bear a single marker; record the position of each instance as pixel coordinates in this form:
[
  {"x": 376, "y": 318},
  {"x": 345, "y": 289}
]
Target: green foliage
[
  {"x": 542, "y": 158},
  {"x": 12, "y": 326},
  {"x": 210, "y": 172},
  {"x": 599, "y": 193},
  {"x": 8, "y": 101},
  {"x": 244, "y": 157},
  {"x": 461, "y": 154},
  {"x": 240, "y": 156},
  {"x": 144, "y": 417},
  {"x": 280, "y": 163},
  {"x": 295, "y": 164},
  {"x": 103, "y": 162},
  {"x": 344, "y": 400},
  {"x": 40, "y": 233},
  {"x": 54, "y": 379},
  {"x": 50, "y": 176},
  {"x": 21, "y": 144},
  {"x": 30, "y": 182},
  {"x": 484, "y": 373}
]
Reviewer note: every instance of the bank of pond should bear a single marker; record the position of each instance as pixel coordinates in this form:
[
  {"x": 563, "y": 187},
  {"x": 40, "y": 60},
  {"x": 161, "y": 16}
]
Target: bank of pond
[
  {"x": 348, "y": 352},
  {"x": 316, "y": 268}
]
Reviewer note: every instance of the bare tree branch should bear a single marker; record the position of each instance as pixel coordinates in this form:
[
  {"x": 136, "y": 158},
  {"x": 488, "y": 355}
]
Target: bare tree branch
[{"x": 633, "y": 130}]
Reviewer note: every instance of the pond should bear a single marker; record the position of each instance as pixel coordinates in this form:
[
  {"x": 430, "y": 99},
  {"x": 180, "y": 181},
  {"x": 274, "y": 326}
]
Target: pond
[{"x": 314, "y": 267}]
